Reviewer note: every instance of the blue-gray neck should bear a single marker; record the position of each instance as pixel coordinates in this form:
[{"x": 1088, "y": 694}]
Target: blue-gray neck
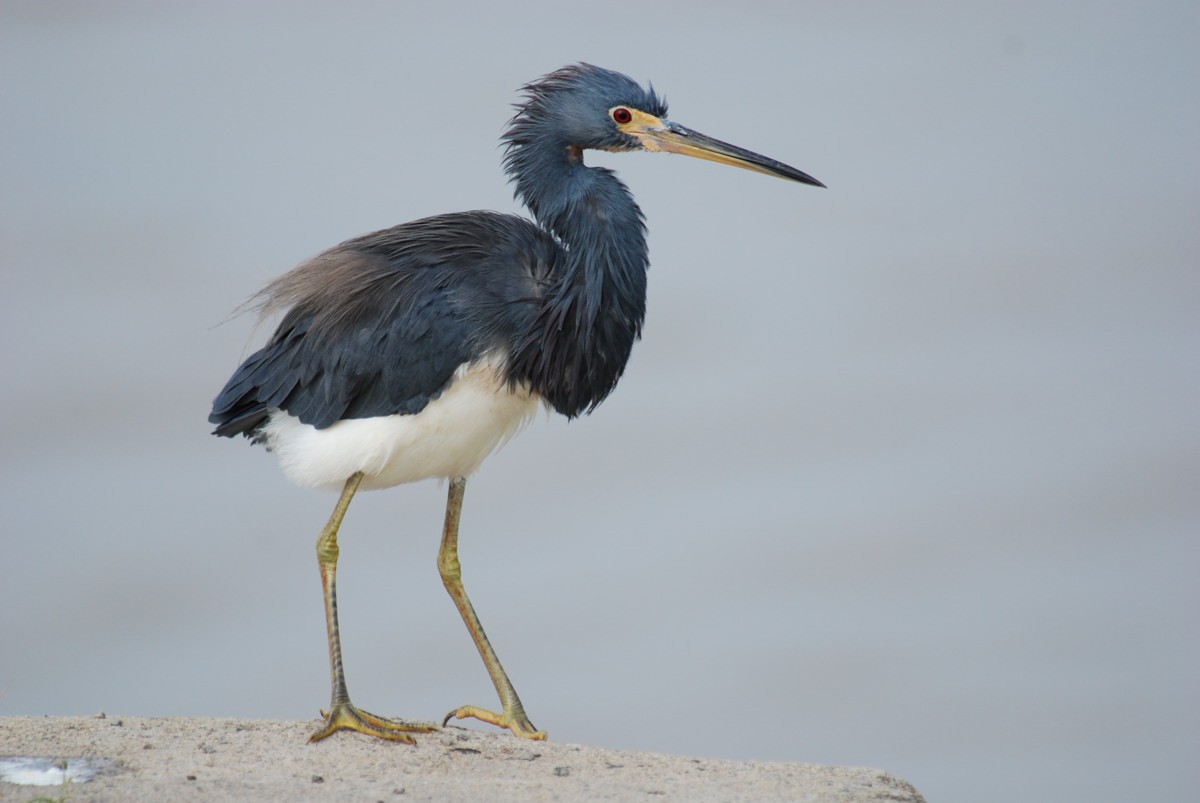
[{"x": 593, "y": 312}]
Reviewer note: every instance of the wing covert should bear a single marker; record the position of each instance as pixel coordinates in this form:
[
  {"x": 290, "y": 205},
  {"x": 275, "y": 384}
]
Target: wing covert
[{"x": 379, "y": 324}]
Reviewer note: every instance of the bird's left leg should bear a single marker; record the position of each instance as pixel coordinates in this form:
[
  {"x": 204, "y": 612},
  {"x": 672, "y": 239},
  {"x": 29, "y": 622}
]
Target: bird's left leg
[
  {"x": 513, "y": 714},
  {"x": 342, "y": 714}
]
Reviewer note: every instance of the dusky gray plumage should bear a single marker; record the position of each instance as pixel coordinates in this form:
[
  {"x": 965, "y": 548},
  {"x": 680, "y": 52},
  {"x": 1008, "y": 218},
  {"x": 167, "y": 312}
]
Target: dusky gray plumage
[{"x": 377, "y": 325}]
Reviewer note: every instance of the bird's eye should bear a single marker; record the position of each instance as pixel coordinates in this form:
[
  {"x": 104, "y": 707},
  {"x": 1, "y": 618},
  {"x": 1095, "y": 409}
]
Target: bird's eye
[{"x": 622, "y": 115}]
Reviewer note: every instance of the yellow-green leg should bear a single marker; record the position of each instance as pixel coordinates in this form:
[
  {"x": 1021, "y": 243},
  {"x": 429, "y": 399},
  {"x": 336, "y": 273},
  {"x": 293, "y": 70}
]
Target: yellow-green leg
[
  {"x": 342, "y": 714},
  {"x": 513, "y": 714}
]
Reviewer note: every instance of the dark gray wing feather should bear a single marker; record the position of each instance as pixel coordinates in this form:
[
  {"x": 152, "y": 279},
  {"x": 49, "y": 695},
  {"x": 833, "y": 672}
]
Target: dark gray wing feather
[{"x": 378, "y": 325}]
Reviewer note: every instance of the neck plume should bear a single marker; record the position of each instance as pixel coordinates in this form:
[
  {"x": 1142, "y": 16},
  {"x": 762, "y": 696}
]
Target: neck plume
[{"x": 592, "y": 314}]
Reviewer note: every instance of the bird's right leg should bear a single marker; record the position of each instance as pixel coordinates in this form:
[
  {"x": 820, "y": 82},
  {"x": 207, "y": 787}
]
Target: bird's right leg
[{"x": 342, "y": 714}]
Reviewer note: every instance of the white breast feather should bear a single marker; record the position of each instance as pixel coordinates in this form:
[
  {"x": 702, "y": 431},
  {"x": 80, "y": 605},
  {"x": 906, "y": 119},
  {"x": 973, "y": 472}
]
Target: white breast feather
[{"x": 449, "y": 438}]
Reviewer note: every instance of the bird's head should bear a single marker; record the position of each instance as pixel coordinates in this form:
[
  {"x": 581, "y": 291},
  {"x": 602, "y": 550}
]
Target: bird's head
[{"x": 584, "y": 107}]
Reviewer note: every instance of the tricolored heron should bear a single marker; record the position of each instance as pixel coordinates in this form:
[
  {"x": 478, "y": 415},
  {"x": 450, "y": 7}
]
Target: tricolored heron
[{"x": 413, "y": 352}]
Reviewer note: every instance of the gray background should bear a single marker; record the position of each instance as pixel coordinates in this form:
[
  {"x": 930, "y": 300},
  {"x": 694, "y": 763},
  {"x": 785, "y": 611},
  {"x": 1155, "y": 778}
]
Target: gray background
[{"x": 904, "y": 473}]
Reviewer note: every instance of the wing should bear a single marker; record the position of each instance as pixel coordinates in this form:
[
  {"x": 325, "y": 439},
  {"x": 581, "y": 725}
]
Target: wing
[{"x": 379, "y": 324}]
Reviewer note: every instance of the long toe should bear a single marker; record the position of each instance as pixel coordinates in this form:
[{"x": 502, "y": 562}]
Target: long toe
[
  {"x": 347, "y": 716},
  {"x": 516, "y": 722}
]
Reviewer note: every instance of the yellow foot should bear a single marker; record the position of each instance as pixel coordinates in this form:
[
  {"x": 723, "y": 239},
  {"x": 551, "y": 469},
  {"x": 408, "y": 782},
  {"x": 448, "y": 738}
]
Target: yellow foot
[
  {"x": 345, "y": 716},
  {"x": 518, "y": 723}
]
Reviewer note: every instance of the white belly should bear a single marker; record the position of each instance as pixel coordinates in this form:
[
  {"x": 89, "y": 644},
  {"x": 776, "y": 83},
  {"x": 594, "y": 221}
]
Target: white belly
[{"x": 449, "y": 438}]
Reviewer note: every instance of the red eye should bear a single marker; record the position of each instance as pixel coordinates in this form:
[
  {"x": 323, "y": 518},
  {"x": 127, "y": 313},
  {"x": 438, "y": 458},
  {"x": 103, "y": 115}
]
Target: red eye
[{"x": 622, "y": 115}]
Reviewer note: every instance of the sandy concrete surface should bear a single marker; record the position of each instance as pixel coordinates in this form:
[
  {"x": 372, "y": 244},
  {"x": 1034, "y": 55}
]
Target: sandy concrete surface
[{"x": 232, "y": 759}]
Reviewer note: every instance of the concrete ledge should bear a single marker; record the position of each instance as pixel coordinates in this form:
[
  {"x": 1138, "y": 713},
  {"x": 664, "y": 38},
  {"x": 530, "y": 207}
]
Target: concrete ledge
[{"x": 230, "y": 759}]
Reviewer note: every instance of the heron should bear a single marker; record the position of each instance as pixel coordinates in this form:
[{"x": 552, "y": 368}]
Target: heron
[{"x": 414, "y": 352}]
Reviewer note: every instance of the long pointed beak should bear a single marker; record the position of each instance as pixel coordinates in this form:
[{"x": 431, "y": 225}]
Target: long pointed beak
[{"x": 674, "y": 138}]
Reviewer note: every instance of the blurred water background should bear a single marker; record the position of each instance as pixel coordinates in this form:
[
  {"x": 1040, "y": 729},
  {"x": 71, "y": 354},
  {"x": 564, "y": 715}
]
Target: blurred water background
[{"x": 905, "y": 473}]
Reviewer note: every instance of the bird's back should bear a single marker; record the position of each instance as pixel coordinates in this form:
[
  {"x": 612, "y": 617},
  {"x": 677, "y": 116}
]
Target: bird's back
[{"x": 378, "y": 325}]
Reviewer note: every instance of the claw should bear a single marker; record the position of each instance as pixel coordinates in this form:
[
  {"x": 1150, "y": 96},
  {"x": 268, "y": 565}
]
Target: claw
[
  {"x": 346, "y": 716},
  {"x": 517, "y": 722}
]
